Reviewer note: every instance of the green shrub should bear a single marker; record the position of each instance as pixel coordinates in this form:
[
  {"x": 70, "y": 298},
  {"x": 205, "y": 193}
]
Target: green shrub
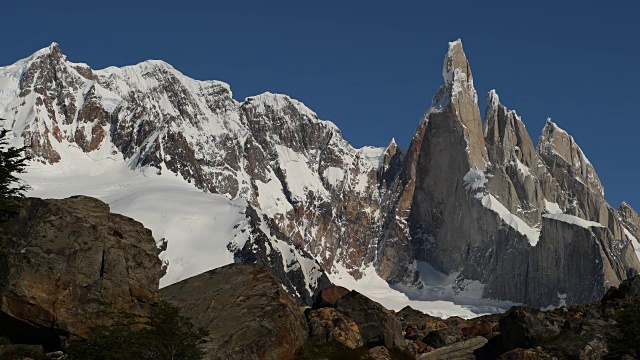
[
  {"x": 19, "y": 353},
  {"x": 168, "y": 335},
  {"x": 625, "y": 339},
  {"x": 331, "y": 351},
  {"x": 4, "y": 341},
  {"x": 399, "y": 354},
  {"x": 335, "y": 351}
]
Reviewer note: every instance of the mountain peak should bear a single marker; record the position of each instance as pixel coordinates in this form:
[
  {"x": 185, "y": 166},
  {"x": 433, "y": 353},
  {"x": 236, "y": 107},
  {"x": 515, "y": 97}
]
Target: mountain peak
[
  {"x": 559, "y": 149},
  {"x": 493, "y": 95},
  {"x": 456, "y": 67},
  {"x": 53, "y": 48}
]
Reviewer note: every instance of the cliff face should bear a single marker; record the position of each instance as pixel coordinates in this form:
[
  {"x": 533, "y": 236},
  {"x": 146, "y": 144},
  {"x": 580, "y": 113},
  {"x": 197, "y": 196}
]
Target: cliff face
[
  {"x": 71, "y": 265},
  {"x": 477, "y": 202},
  {"x": 495, "y": 209}
]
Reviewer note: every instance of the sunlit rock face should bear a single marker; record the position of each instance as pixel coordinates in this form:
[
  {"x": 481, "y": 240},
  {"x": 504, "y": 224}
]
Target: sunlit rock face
[{"x": 494, "y": 209}]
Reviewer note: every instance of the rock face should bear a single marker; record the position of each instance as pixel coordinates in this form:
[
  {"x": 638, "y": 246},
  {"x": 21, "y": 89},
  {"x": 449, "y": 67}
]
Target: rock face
[
  {"x": 298, "y": 271},
  {"x": 328, "y": 325},
  {"x": 379, "y": 353},
  {"x": 480, "y": 201},
  {"x": 247, "y": 312},
  {"x": 378, "y": 326},
  {"x": 70, "y": 265},
  {"x": 629, "y": 288},
  {"x": 329, "y": 296},
  {"x": 462, "y": 350},
  {"x": 504, "y": 215},
  {"x": 443, "y": 337}
]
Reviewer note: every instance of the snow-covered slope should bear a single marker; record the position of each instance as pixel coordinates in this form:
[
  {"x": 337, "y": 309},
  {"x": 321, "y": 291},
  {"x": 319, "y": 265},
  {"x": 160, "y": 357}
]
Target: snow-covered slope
[
  {"x": 269, "y": 149},
  {"x": 203, "y": 230}
]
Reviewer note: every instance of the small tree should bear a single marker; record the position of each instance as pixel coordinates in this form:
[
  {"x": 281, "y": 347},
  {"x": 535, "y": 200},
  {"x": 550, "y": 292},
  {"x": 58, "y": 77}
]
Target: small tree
[
  {"x": 624, "y": 340},
  {"x": 167, "y": 336},
  {"x": 12, "y": 161}
]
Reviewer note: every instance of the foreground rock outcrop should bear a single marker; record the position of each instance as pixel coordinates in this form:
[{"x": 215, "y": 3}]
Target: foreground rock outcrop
[
  {"x": 247, "y": 312},
  {"x": 328, "y": 325},
  {"x": 71, "y": 264},
  {"x": 378, "y": 326}
]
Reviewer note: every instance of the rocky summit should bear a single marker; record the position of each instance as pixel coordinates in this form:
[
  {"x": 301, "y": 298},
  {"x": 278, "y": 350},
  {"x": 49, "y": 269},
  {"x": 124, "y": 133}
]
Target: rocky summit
[{"x": 473, "y": 201}]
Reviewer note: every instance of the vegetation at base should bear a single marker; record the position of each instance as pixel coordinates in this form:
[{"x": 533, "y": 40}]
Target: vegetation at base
[
  {"x": 4, "y": 341},
  {"x": 335, "y": 351},
  {"x": 331, "y": 351},
  {"x": 625, "y": 339},
  {"x": 168, "y": 335},
  {"x": 12, "y": 162},
  {"x": 20, "y": 353},
  {"x": 399, "y": 354}
]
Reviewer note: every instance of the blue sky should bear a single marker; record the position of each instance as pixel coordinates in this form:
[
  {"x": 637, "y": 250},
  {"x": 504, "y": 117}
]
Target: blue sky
[{"x": 373, "y": 67}]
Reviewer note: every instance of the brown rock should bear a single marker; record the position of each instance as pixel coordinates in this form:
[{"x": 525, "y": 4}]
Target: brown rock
[
  {"x": 379, "y": 353},
  {"x": 72, "y": 265},
  {"x": 481, "y": 328},
  {"x": 422, "y": 347},
  {"x": 443, "y": 337},
  {"x": 523, "y": 327},
  {"x": 378, "y": 326},
  {"x": 629, "y": 288},
  {"x": 247, "y": 312},
  {"x": 425, "y": 323},
  {"x": 463, "y": 350},
  {"x": 526, "y": 354},
  {"x": 329, "y": 296},
  {"x": 328, "y": 325}
]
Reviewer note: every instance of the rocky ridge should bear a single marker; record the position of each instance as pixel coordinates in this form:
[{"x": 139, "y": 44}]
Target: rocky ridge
[{"x": 514, "y": 221}]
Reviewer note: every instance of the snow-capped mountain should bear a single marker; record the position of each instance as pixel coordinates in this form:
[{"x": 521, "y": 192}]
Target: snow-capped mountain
[
  {"x": 315, "y": 191},
  {"x": 468, "y": 211}
]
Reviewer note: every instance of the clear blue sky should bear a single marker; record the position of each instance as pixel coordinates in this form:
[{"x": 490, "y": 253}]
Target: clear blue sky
[{"x": 373, "y": 67}]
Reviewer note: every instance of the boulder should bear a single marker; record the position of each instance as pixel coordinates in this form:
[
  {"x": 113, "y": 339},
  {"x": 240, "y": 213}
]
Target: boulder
[
  {"x": 378, "y": 326},
  {"x": 329, "y": 296},
  {"x": 379, "y": 353},
  {"x": 524, "y": 327},
  {"x": 327, "y": 325},
  {"x": 70, "y": 265},
  {"x": 627, "y": 289},
  {"x": 478, "y": 328},
  {"x": 526, "y": 354},
  {"x": 443, "y": 337},
  {"x": 248, "y": 314},
  {"x": 422, "y": 321},
  {"x": 462, "y": 350}
]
